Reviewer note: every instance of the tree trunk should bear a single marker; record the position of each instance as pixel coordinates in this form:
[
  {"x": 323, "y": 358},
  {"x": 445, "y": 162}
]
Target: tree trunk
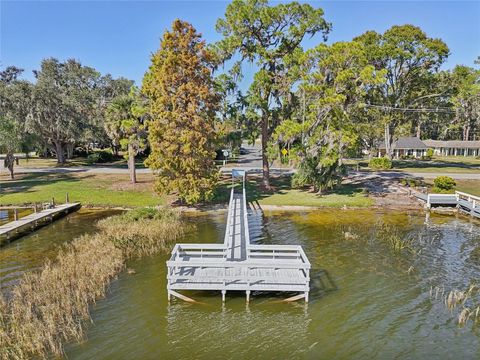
[
  {"x": 114, "y": 148},
  {"x": 9, "y": 163},
  {"x": 419, "y": 131},
  {"x": 466, "y": 132},
  {"x": 131, "y": 164},
  {"x": 266, "y": 166},
  {"x": 60, "y": 152},
  {"x": 69, "y": 151},
  {"x": 388, "y": 142}
]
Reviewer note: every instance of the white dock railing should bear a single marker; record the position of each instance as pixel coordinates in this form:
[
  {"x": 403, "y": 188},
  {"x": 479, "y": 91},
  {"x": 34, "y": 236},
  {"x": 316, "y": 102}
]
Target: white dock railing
[
  {"x": 464, "y": 201},
  {"x": 261, "y": 267},
  {"x": 469, "y": 203}
]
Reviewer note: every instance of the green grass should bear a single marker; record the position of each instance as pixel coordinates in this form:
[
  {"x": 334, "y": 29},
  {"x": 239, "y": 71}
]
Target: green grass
[
  {"x": 443, "y": 164},
  {"x": 283, "y": 195},
  {"x": 468, "y": 186},
  {"x": 36, "y": 162},
  {"x": 95, "y": 190}
]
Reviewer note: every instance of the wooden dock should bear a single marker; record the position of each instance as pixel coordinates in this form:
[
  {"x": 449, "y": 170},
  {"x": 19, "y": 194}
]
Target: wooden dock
[
  {"x": 466, "y": 203},
  {"x": 35, "y": 220},
  {"x": 237, "y": 264}
]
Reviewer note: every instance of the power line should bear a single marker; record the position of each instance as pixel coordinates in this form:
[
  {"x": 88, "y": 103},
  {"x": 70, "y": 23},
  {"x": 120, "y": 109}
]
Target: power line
[{"x": 434, "y": 110}]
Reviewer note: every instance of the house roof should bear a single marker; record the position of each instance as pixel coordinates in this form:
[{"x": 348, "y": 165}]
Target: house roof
[
  {"x": 459, "y": 144},
  {"x": 406, "y": 143}
]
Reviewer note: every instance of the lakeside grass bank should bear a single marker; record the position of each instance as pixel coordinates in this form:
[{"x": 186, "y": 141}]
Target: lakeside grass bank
[
  {"x": 349, "y": 195},
  {"x": 50, "y": 307},
  {"x": 115, "y": 190},
  {"x": 108, "y": 190}
]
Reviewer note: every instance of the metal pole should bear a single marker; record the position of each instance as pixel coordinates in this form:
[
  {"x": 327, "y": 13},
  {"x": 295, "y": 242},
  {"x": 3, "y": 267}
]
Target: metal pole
[{"x": 67, "y": 200}]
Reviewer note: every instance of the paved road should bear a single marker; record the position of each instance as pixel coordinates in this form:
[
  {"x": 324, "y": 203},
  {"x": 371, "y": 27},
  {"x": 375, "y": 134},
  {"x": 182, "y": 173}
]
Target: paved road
[{"x": 250, "y": 161}]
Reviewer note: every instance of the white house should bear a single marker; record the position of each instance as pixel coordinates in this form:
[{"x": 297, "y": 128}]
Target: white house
[
  {"x": 405, "y": 146},
  {"x": 454, "y": 147}
]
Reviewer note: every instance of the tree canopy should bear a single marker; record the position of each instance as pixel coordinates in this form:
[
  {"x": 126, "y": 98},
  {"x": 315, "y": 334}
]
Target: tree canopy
[
  {"x": 182, "y": 105},
  {"x": 271, "y": 37}
]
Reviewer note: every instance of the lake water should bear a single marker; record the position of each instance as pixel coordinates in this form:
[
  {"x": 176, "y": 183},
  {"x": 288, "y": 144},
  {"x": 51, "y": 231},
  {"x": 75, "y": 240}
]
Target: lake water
[
  {"x": 30, "y": 251},
  {"x": 367, "y": 301}
]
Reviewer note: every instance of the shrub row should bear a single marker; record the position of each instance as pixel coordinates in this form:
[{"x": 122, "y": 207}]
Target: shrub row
[{"x": 100, "y": 157}]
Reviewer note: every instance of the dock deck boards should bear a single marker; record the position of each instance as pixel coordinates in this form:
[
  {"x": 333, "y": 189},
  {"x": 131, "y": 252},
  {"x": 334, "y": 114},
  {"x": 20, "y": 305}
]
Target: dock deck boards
[
  {"x": 14, "y": 227},
  {"x": 236, "y": 264},
  {"x": 467, "y": 203}
]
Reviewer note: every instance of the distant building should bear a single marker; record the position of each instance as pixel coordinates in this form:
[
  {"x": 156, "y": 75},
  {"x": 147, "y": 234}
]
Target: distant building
[
  {"x": 405, "y": 146},
  {"x": 454, "y": 147}
]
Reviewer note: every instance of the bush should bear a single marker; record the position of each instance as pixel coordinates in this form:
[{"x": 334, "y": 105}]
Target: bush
[
  {"x": 436, "y": 190},
  {"x": 444, "y": 183},
  {"x": 429, "y": 153},
  {"x": 382, "y": 163},
  {"x": 80, "y": 151},
  {"x": 100, "y": 157}
]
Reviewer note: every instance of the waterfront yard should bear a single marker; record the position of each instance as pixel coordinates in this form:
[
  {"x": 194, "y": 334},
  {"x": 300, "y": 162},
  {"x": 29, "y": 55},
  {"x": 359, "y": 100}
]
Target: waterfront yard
[
  {"x": 90, "y": 189},
  {"x": 468, "y": 186},
  {"x": 115, "y": 190},
  {"x": 283, "y": 195}
]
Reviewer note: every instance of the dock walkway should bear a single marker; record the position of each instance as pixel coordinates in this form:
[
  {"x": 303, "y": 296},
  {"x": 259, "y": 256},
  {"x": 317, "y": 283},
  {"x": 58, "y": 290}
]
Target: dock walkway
[
  {"x": 237, "y": 264},
  {"x": 466, "y": 203},
  {"x": 14, "y": 228}
]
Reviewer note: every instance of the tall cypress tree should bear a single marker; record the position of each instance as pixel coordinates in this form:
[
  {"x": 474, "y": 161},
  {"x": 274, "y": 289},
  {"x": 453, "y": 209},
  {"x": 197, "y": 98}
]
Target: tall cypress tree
[{"x": 182, "y": 105}]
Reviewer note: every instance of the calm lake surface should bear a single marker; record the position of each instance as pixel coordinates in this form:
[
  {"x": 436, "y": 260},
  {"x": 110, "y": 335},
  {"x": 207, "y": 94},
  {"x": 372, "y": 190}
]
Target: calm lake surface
[{"x": 367, "y": 301}]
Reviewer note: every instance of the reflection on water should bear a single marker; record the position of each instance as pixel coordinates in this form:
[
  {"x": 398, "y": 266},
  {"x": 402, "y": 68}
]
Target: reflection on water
[{"x": 367, "y": 301}]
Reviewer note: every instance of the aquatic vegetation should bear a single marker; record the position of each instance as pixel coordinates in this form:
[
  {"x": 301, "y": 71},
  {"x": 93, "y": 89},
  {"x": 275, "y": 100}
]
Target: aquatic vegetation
[
  {"x": 468, "y": 299},
  {"x": 49, "y": 307},
  {"x": 143, "y": 231},
  {"x": 391, "y": 236}
]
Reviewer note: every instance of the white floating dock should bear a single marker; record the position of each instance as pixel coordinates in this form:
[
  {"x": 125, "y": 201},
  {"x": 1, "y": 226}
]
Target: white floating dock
[
  {"x": 236, "y": 264},
  {"x": 32, "y": 221}
]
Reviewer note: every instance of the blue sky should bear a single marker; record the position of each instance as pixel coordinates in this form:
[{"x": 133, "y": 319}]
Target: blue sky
[{"x": 118, "y": 36}]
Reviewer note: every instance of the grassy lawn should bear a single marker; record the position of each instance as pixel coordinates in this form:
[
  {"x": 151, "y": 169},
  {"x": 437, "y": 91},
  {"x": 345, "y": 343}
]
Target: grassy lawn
[
  {"x": 89, "y": 189},
  {"x": 469, "y": 186},
  {"x": 440, "y": 164},
  {"x": 283, "y": 195},
  {"x": 36, "y": 162}
]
